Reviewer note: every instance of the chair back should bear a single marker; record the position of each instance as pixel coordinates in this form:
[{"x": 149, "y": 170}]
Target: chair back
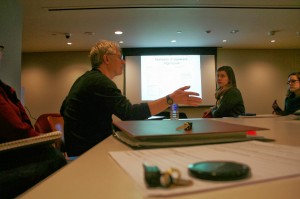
[
  {"x": 56, "y": 123},
  {"x": 42, "y": 124}
]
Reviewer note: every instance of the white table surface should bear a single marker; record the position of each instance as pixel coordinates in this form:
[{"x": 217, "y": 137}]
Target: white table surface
[{"x": 96, "y": 175}]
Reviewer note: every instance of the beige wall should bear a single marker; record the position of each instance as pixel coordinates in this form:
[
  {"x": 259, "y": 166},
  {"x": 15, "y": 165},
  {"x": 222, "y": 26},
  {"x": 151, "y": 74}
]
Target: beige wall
[
  {"x": 261, "y": 75},
  {"x": 11, "y": 38}
]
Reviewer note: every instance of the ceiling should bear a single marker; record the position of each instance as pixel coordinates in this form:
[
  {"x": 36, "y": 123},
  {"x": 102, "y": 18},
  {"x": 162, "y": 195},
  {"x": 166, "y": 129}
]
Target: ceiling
[{"x": 154, "y": 23}]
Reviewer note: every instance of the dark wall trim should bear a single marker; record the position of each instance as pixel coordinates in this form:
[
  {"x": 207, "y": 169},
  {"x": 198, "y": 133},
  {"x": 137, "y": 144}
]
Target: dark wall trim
[{"x": 170, "y": 51}]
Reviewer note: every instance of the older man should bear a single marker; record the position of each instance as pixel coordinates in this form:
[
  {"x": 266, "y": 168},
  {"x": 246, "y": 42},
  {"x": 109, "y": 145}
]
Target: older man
[{"x": 94, "y": 98}]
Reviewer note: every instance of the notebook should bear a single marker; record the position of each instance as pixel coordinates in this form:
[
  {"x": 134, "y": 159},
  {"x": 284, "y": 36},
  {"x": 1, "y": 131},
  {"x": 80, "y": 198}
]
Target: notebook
[
  {"x": 40, "y": 139},
  {"x": 145, "y": 129},
  {"x": 163, "y": 133}
]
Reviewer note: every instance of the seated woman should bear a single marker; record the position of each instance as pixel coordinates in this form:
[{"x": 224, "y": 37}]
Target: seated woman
[
  {"x": 21, "y": 168},
  {"x": 229, "y": 99},
  {"x": 292, "y": 100}
]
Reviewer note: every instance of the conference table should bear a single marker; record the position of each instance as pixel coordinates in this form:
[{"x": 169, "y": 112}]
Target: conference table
[{"x": 95, "y": 174}]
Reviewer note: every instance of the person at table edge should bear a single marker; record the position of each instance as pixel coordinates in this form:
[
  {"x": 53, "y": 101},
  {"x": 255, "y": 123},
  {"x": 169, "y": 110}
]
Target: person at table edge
[{"x": 94, "y": 98}]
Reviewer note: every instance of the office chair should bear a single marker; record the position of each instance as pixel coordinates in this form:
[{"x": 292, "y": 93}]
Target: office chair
[
  {"x": 56, "y": 123},
  {"x": 42, "y": 124}
]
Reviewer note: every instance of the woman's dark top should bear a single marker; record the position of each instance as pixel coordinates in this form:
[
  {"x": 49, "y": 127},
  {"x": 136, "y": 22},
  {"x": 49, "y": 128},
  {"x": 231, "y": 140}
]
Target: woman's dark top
[
  {"x": 292, "y": 104},
  {"x": 230, "y": 104}
]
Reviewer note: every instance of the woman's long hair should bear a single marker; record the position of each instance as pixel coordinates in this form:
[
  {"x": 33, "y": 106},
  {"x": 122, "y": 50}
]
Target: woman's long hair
[{"x": 231, "y": 83}]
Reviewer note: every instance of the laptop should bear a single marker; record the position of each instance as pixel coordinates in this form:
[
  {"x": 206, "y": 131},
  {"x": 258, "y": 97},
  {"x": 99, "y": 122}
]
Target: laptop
[{"x": 151, "y": 129}]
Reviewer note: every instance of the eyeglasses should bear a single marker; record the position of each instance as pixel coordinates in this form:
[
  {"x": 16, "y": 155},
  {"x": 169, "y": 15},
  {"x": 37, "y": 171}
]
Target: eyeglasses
[
  {"x": 292, "y": 81},
  {"x": 121, "y": 57}
]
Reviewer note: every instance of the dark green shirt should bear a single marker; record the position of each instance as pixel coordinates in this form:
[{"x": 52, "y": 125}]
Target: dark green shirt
[
  {"x": 88, "y": 110},
  {"x": 292, "y": 104},
  {"x": 230, "y": 104}
]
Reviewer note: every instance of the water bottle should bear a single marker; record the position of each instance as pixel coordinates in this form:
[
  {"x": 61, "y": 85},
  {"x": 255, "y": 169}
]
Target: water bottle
[{"x": 174, "y": 113}]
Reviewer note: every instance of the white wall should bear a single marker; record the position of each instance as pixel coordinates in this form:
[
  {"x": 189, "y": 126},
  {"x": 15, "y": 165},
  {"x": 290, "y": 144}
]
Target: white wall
[{"x": 261, "y": 76}]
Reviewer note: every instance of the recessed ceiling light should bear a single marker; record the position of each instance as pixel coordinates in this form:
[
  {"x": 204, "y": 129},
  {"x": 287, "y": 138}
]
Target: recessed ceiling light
[
  {"x": 273, "y": 41},
  {"x": 173, "y": 41},
  {"x": 69, "y": 43},
  {"x": 118, "y": 32},
  {"x": 224, "y": 41},
  {"x": 234, "y": 31},
  {"x": 271, "y": 33},
  {"x": 179, "y": 31},
  {"x": 121, "y": 42},
  {"x": 89, "y": 33}
]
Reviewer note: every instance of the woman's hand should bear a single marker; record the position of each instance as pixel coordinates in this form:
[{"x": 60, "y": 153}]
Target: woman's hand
[
  {"x": 208, "y": 113},
  {"x": 276, "y": 109}
]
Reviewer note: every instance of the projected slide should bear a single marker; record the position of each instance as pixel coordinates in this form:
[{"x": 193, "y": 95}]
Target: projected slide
[{"x": 161, "y": 75}]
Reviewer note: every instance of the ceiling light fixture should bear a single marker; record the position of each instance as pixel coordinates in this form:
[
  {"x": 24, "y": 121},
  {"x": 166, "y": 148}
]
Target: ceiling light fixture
[
  {"x": 69, "y": 43},
  {"x": 234, "y": 31},
  {"x": 179, "y": 31},
  {"x": 118, "y": 32},
  {"x": 173, "y": 41},
  {"x": 89, "y": 33},
  {"x": 68, "y": 35},
  {"x": 224, "y": 41},
  {"x": 121, "y": 42},
  {"x": 271, "y": 33},
  {"x": 273, "y": 41}
]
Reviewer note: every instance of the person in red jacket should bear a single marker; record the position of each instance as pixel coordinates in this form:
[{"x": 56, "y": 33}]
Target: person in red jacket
[
  {"x": 14, "y": 122},
  {"x": 21, "y": 168}
]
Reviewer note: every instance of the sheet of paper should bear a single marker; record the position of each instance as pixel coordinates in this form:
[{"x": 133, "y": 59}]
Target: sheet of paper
[{"x": 267, "y": 162}]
